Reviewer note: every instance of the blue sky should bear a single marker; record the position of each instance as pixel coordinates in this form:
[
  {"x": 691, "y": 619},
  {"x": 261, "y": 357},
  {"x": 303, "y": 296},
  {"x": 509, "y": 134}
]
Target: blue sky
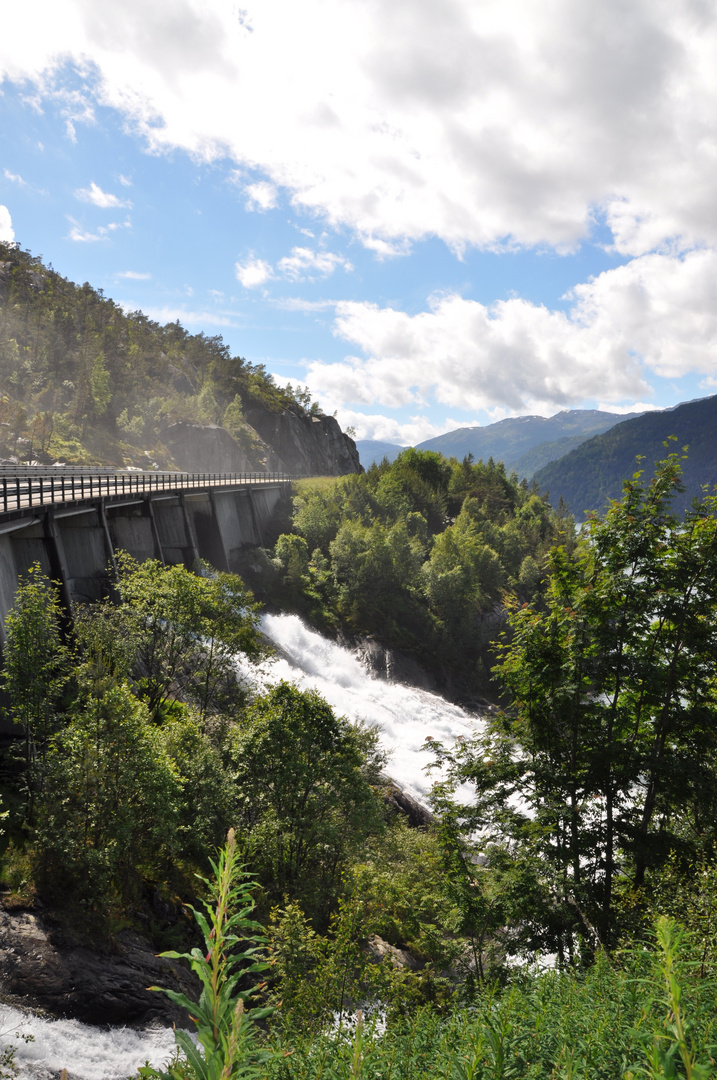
[{"x": 434, "y": 216}]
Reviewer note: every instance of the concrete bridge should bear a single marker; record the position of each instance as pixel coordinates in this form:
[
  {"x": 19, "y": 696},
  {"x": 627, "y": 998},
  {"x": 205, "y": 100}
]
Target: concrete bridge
[{"x": 72, "y": 520}]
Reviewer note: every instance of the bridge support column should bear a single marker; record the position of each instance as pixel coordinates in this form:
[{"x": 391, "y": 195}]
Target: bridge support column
[
  {"x": 159, "y": 554},
  {"x": 106, "y": 533},
  {"x": 57, "y": 559},
  {"x": 189, "y": 527},
  {"x": 218, "y": 528}
]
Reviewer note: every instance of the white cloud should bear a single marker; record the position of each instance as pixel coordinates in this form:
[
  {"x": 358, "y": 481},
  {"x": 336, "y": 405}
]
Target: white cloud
[
  {"x": 261, "y": 196},
  {"x": 124, "y": 180},
  {"x": 253, "y": 272},
  {"x": 14, "y": 178},
  {"x": 83, "y": 236},
  {"x": 489, "y": 123},
  {"x": 297, "y": 303},
  {"x": 7, "y": 234},
  {"x": 657, "y": 314},
  {"x": 95, "y": 195},
  {"x": 134, "y": 275},
  {"x": 635, "y": 407},
  {"x": 387, "y": 429},
  {"x": 306, "y": 265}
]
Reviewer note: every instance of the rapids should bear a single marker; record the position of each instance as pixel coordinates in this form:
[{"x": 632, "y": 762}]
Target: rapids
[
  {"x": 405, "y": 715},
  {"x": 88, "y": 1053}
]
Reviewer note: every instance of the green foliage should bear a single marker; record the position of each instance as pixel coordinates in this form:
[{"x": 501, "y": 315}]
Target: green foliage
[
  {"x": 418, "y": 553},
  {"x": 607, "y": 757},
  {"x": 304, "y": 793},
  {"x": 108, "y": 810},
  {"x": 643, "y": 1014},
  {"x": 226, "y": 1028},
  {"x": 186, "y": 629},
  {"x": 35, "y": 668}
]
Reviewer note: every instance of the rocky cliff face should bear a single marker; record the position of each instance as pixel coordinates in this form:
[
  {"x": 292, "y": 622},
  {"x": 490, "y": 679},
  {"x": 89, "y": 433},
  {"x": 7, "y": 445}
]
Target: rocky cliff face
[
  {"x": 288, "y": 441},
  {"x": 310, "y": 445}
]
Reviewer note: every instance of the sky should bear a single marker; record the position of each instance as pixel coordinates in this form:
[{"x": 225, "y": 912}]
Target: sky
[{"x": 433, "y": 213}]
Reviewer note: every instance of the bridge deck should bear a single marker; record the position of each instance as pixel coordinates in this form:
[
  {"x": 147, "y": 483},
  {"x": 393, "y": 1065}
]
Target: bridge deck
[{"x": 27, "y": 488}]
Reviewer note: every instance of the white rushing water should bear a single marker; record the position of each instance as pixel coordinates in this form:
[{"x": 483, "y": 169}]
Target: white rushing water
[
  {"x": 405, "y": 715},
  {"x": 88, "y": 1053}
]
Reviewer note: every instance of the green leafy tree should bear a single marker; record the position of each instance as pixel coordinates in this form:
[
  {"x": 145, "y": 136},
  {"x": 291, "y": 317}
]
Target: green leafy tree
[
  {"x": 607, "y": 756},
  {"x": 303, "y": 779},
  {"x": 109, "y": 805},
  {"x": 36, "y": 667},
  {"x": 188, "y": 630}
]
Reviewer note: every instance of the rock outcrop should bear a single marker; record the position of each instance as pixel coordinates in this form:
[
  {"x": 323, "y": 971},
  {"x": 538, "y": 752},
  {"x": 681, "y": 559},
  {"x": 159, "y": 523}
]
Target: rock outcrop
[
  {"x": 306, "y": 444},
  {"x": 38, "y": 969},
  {"x": 206, "y": 448},
  {"x": 289, "y": 441}
]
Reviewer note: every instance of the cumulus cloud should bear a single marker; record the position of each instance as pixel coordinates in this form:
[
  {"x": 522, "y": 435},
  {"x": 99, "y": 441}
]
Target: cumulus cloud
[
  {"x": 495, "y": 123},
  {"x": 7, "y": 234},
  {"x": 657, "y": 314},
  {"x": 253, "y": 272},
  {"x": 95, "y": 195},
  {"x": 134, "y": 275},
  {"x": 303, "y": 264}
]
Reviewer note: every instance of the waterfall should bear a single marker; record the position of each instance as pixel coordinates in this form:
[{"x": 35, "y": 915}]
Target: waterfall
[{"x": 405, "y": 715}]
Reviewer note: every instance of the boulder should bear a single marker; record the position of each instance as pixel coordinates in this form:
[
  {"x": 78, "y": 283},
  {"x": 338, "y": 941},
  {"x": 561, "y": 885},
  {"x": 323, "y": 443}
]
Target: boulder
[
  {"x": 379, "y": 950},
  {"x": 38, "y": 970}
]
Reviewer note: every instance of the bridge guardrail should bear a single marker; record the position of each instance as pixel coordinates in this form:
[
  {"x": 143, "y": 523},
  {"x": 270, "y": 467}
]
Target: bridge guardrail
[{"x": 32, "y": 487}]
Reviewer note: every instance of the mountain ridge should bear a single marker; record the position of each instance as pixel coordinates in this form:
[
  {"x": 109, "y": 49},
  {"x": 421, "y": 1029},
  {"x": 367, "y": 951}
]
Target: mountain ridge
[{"x": 589, "y": 476}]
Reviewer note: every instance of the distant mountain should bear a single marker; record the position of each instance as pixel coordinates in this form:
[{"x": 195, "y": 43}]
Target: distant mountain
[
  {"x": 525, "y": 443},
  {"x": 373, "y": 451},
  {"x": 590, "y": 475}
]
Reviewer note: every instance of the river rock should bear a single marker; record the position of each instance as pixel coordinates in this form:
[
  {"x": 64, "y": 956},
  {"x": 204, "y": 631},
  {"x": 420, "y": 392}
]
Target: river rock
[
  {"x": 380, "y": 950},
  {"x": 38, "y": 970}
]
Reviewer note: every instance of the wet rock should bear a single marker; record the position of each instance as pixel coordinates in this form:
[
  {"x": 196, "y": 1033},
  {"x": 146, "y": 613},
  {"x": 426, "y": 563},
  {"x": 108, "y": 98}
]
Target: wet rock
[
  {"x": 37, "y": 969},
  {"x": 418, "y": 815},
  {"x": 391, "y": 664}
]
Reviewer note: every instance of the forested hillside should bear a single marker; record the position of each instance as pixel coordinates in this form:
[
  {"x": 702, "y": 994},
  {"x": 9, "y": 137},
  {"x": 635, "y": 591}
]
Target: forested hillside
[
  {"x": 590, "y": 475},
  {"x": 83, "y": 381},
  {"x": 418, "y": 553}
]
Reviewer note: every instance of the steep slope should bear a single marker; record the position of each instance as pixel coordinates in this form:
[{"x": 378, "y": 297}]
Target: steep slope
[
  {"x": 85, "y": 382},
  {"x": 511, "y": 440},
  {"x": 593, "y": 473}
]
